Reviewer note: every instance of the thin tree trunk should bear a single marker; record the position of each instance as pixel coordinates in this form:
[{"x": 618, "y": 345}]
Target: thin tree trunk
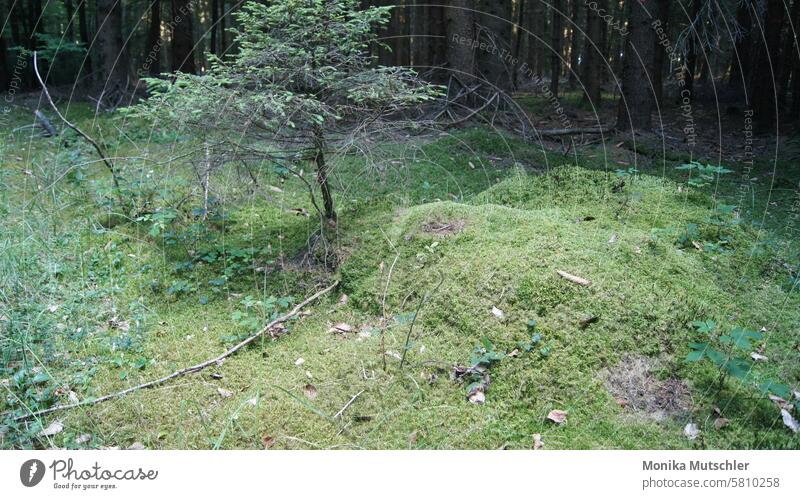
[
  {"x": 575, "y": 42},
  {"x": 83, "y": 31},
  {"x": 322, "y": 173},
  {"x": 592, "y": 76},
  {"x": 660, "y": 52},
  {"x": 460, "y": 35},
  {"x": 154, "y": 39},
  {"x": 788, "y": 53},
  {"x": 636, "y": 103},
  {"x": 691, "y": 57},
  {"x": 212, "y": 46},
  {"x": 556, "y": 34}
]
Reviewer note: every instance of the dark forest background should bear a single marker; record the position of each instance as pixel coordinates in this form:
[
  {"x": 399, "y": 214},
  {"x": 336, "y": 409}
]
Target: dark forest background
[{"x": 746, "y": 49}]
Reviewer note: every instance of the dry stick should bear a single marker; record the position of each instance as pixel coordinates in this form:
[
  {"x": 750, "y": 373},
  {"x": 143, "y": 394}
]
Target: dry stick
[
  {"x": 573, "y": 278},
  {"x": 574, "y": 131},
  {"x": 341, "y": 411},
  {"x": 186, "y": 370},
  {"x": 75, "y": 128}
]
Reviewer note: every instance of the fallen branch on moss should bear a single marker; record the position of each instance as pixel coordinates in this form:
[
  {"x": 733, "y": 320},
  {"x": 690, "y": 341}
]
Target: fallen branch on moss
[
  {"x": 573, "y": 278},
  {"x": 186, "y": 370}
]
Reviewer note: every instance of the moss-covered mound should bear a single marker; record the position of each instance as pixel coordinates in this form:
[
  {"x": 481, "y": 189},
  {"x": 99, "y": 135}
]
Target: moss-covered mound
[{"x": 658, "y": 257}]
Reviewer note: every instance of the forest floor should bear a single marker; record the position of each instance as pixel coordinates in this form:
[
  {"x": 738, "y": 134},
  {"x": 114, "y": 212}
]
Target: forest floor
[{"x": 463, "y": 231}]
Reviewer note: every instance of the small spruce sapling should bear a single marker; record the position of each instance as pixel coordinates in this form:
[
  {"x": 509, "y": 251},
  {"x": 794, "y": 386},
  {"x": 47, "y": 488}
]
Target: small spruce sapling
[{"x": 302, "y": 85}]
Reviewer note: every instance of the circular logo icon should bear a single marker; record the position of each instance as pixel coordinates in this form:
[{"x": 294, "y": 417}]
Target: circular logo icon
[{"x": 31, "y": 472}]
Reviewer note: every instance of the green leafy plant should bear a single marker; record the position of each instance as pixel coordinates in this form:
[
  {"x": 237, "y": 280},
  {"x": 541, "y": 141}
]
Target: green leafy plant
[
  {"x": 701, "y": 175},
  {"x": 728, "y": 352}
]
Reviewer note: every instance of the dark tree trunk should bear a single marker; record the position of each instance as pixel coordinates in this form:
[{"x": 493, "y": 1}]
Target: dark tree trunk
[
  {"x": 535, "y": 21},
  {"x": 212, "y": 43},
  {"x": 637, "y": 100},
  {"x": 556, "y": 34},
  {"x": 660, "y": 53},
  {"x": 154, "y": 40},
  {"x": 764, "y": 93},
  {"x": 322, "y": 174},
  {"x": 788, "y": 53},
  {"x": 460, "y": 35},
  {"x": 418, "y": 29},
  {"x": 494, "y": 21},
  {"x": 386, "y": 37},
  {"x": 5, "y": 69},
  {"x": 691, "y": 57},
  {"x": 70, "y": 11},
  {"x": 400, "y": 39},
  {"x": 83, "y": 31},
  {"x": 575, "y": 42},
  {"x": 182, "y": 37},
  {"x": 109, "y": 40},
  {"x": 592, "y": 75},
  {"x": 740, "y": 66},
  {"x": 223, "y": 37}
]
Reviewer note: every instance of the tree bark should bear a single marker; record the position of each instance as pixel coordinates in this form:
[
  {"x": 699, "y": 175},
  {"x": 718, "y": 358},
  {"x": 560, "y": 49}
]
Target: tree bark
[
  {"x": 575, "y": 42},
  {"x": 213, "y": 42},
  {"x": 494, "y": 19},
  {"x": 83, "y": 32},
  {"x": 322, "y": 174},
  {"x": 556, "y": 34},
  {"x": 112, "y": 53},
  {"x": 660, "y": 52},
  {"x": 460, "y": 35},
  {"x": 592, "y": 76},
  {"x": 691, "y": 56},
  {"x": 637, "y": 99},
  {"x": 154, "y": 39},
  {"x": 70, "y": 11},
  {"x": 788, "y": 53},
  {"x": 182, "y": 37}
]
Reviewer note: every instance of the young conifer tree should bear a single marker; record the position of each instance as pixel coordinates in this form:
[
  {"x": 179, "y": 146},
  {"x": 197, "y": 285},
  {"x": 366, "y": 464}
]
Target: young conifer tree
[{"x": 303, "y": 82}]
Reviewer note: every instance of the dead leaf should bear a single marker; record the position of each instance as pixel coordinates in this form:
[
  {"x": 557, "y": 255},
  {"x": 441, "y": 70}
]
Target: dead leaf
[
  {"x": 514, "y": 353},
  {"x": 53, "y": 428},
  {"x": 224, "y": 393},
  {"x": 691, "y": 431},
  {"x": 300, "y": 361},
  {"x": 82, "y": 438},
  {"x": 310, "y": 391},
  {"x": 612, "y": 239},
  {"x": 412, "y": 438},
  {"x": 299, "y": 211},
  {"x": 253, "y": 401},
  {"x": 136, "y": 446},
  {"x": 477, "y": 397},
  {"x": 697, "y": 246},
  {"x": 557, "y": 416},
  {"x": 73, "y": 397},
  {"x": 721, "y": 423},
  {"x": 497, "y": 312},
  {"x": 52, "y": 308},
  {"x": 757, "y": 357},
  {"x": 268, "y": 441},
  {"x": 622, "y": 402},
  {"x": 537, "y": 441},
  {"x": 779, "y": 401},
  {"x": 341, "y": 328},
  {"x": 789, "y": 421}
]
